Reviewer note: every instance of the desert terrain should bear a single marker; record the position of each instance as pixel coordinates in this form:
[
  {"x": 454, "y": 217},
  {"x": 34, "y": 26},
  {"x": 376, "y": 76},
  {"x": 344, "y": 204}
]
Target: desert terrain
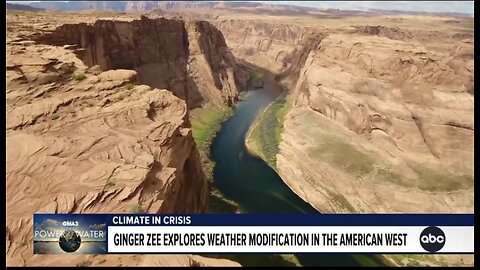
[
  {"x": 89, "y": 134},
  {"x": 393, "y": 91},
  {"x": 377, "y": 116}
]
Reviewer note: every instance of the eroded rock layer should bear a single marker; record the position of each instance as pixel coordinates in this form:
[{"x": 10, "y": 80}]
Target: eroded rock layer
[
  {"x": 190, "y": 59},
  {"x": 382, "y": 125},
  {"x": 382, "y": 114},
  {"x": 279, "y": 48},
  {"x": 84, "y": 140}
]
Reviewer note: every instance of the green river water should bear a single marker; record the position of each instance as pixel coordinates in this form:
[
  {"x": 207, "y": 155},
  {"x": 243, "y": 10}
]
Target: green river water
[{"x": 256, "y": 187}]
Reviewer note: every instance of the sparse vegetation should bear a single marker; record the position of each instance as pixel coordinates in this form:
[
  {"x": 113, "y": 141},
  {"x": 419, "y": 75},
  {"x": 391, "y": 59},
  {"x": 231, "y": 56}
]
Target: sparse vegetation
[
  {"x": 205, "y": 124},
  {"x": 88, "y": 103},
  {"x": 255, "y": 80},
  {"x": 332, "y": 148},
  {"x": 264, "y": 137},
  {"x": 110, "y": 183},
  {"x": 120, "y": 97},
  {"x": 69, "y": 110},
  {"x": 54, "y": 116},
  {"x": 130, "y": 86},
  {"x": 84, "y": 263},
  {"x": 242, "y": 95},
  {"x": 79, "y": 76},
  {"x": 341, "y": 201},
  {"x": 137, "y": 209},
  {"x": 219, "y": 204},
  {"x": 441, "y": 180},
  {"x": 422, "y": 260}
]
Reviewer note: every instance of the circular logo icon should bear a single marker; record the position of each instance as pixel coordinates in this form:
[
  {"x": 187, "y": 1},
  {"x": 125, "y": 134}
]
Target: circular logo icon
[
  {"x": 432, "y": 239},
  {"x": 70, "y": 241}
]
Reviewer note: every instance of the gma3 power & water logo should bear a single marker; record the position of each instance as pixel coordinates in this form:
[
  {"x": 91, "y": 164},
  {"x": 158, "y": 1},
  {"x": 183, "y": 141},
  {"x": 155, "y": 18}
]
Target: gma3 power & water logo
[{"x": 69, "y": 233}]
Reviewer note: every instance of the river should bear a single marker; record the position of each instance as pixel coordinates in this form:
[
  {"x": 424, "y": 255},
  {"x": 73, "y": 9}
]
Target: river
[{"x": 255, "y": 186}]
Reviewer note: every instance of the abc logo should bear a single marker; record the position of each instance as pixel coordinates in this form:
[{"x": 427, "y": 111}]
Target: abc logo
[{"x": 432, "y": 239}]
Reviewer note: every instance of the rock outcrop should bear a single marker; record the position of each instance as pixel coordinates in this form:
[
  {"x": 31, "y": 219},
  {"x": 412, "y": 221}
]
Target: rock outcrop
[
  {"x": 382, "y": 117},
  {"x": 190, "y": 59},
  {"x": 279, "y": 48},
  {"x": 84, "y": 140},
  {"x": 382, "y": 110},
  {"x": 393, "y": 127},
  {"x": 383, "y": 31}
]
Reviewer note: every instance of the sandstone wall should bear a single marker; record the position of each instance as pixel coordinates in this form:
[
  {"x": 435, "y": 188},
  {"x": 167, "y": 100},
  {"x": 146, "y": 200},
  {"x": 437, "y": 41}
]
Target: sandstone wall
[
  {"x": 382, "y": 117},
  {"x": 386, "y": 126},
  {"x": 190, "y": 59},
  {"x": 279, "y": 48},
  {"x": 83, "y": 140}
]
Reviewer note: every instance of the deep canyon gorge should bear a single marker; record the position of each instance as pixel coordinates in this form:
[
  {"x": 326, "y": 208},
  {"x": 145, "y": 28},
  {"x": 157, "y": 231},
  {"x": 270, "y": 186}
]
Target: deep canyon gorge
[{"x": 102, "y": 110}]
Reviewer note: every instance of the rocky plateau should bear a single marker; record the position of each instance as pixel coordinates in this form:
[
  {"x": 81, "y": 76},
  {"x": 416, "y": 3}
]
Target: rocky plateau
[
  {"x": 90, "y": 129},
  {"x": 397, "y": 97},
  {"x": 380, "y": 112}
]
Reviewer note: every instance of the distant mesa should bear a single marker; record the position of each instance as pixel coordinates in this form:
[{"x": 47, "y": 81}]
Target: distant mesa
[{"x": 11, "y": 6}]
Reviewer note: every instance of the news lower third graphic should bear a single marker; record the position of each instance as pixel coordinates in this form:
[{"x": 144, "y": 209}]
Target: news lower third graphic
[{"x": 251, "y": 233}]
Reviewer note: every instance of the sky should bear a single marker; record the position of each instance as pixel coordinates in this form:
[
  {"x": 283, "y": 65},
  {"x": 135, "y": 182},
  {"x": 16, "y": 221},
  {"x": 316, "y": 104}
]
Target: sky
[
  {"x": 465, "y": 7},
  {"x": 424, "y": 6}
]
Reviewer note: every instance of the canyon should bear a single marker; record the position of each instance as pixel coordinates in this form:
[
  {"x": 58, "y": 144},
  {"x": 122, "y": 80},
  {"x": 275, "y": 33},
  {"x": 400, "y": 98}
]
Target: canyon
[
  {"x": 380, "y": 117},
  {"x": 190, "y": 59},
  {"x": 379, "y": 112},
  {"x": 91, "y": 132},
  {"x": 397, "y": 97}
]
